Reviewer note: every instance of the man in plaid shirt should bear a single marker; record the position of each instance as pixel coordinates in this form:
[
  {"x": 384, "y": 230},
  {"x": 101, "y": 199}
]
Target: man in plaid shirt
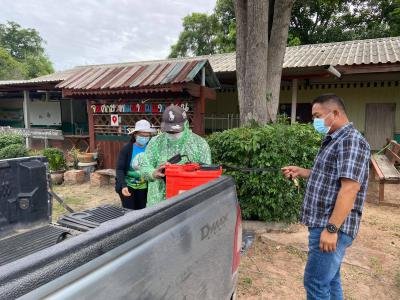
[{"x": 334, "y": 197}]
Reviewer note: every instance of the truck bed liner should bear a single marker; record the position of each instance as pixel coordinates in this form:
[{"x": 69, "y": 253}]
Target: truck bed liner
[
  {"x": 91, "y": 218},
  {"x": 20, "y": 245}
]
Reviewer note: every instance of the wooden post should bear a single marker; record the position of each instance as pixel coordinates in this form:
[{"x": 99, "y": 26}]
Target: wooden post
[
  {"x": 202, "y": 101},
  {"x": 92, "y": 141},
  {"x": 381, "y": 197},
  {"x": 199, "y": 108},
  {"x": 71, "y": 107},
  {"x": 294, "y": 101},
  {"x": 198, "y": 120},
  {"x": 27, "y": 120},
  {"x": 202, "y": 94}
]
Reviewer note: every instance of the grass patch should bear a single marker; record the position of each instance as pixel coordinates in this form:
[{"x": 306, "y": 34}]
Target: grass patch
[
  {"x": 74, "y": 202},
  {"x": 247, "y": 281},
  {"x": 83, "y": 196}
]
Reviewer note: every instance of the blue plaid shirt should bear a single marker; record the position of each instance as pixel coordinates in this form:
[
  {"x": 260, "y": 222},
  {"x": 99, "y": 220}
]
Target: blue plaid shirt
[{"x": 343, "y": 154}]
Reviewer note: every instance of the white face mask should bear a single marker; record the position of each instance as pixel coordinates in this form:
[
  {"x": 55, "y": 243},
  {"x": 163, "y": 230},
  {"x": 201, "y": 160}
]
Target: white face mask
[{"x": 174, "y": 136}]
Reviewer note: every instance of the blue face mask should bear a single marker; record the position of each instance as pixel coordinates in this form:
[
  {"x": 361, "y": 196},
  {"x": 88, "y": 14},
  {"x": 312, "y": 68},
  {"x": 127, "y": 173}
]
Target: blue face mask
[
  {"x": 142, "y": 140},
  {"x": 319, "y": 126}
]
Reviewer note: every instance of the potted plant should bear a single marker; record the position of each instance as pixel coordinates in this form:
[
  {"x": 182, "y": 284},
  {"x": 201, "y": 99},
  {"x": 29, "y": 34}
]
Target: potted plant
[
  {"x": 57, "y": 164},
  {"x": 72, "y": 158}
]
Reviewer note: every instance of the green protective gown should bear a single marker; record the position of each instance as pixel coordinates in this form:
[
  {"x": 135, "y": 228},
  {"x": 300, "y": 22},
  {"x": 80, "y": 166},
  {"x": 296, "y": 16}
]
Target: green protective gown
[{"x": 160, "y": 149}]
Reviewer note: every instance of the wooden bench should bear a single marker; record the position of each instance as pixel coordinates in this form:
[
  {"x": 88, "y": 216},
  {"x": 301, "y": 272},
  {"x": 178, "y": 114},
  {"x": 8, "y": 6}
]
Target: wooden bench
[{"x": 384, "y": 167}]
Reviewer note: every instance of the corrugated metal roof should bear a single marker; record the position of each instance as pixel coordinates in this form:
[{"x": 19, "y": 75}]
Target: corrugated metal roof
[
  {"x": 359, "y": 52},
  {"x": 55, "y": 77},
  {"x": 372, "y": 51},
  {"x": 225, "y": 62},
  {"x": 138, "y": 75}
]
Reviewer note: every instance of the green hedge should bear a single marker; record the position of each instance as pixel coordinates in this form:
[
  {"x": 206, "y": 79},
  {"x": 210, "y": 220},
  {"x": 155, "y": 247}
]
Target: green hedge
[
  {"x": 12, "y": 145},
  {"x": 7, "y": 139},
  {"x": 267, "y": 196},
  {"x": 12, "y": 151}
]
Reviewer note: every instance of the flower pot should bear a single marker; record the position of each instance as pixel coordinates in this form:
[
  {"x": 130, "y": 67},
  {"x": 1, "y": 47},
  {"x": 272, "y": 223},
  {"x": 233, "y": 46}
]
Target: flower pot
[
  {"x": 57, "y": 177},
  {"x": 95, "y": 155},
  {"x": 85, "y": 157}
]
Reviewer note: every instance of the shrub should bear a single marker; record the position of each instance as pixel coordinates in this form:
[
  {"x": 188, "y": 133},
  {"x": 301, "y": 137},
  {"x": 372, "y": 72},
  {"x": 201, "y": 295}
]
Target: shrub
[
  {"x": 56, "y": 159},
  {"x": 12, "y": 145},
  {"x": 35, "y": 152},
  {"x": 7, "y": 139},
  {"x": 267, "y": 195},
  {"x": 14, "y": 150}
]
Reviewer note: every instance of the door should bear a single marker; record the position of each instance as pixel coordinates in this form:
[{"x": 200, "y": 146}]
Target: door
[{"x": 379, "y": 123}]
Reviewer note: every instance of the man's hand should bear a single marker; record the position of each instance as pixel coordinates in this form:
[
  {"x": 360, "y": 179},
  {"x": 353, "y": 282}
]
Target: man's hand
[
  {"x": 328, "y": 241},
  {"x": 125, "y": 192},
  {"x": 159, "y": 172},
  {"x": 292, "y": 172}
]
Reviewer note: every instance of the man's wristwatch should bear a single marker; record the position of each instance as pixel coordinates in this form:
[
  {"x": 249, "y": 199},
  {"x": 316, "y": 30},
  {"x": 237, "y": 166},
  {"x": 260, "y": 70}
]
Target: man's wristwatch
[{"x": 331, "y": 228}]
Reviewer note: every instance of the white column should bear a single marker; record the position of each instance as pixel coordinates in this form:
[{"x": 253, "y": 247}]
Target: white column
[
  {"x": 27, "y": 120},
  {"x": 294, "y": 101}
]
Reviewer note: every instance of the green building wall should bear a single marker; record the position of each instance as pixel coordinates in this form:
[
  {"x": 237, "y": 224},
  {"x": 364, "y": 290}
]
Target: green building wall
[{"x": 355, "y": 98}]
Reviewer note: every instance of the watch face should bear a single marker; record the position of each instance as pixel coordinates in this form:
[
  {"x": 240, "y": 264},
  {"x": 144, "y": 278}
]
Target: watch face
[{"x": 331, "y": 228}]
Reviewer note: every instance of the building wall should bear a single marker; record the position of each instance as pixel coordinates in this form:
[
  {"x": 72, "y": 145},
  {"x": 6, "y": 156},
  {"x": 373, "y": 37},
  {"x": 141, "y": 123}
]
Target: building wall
[
  {"x": 226, "y": 103},
  {"x": 383, "y": 88},
  {"x": 355, "y": 99}
]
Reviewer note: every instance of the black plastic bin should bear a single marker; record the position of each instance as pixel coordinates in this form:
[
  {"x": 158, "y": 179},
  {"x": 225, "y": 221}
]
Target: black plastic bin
[{"x": 24, "y": 198}]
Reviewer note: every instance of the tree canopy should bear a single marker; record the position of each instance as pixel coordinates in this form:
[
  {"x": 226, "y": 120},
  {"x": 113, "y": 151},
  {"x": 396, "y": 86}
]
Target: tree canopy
[
  {"x": 323, "y": 21},
  {"x": 312, "y": 21},
  {"x": 22, "y": 53},
  {"x": 205, "y": 34},
  {"x": 9, "y": 67}
]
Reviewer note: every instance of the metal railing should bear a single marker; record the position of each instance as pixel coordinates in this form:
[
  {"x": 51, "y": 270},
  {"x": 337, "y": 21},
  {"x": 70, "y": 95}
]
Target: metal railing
[{"x": 220, "y": 122}]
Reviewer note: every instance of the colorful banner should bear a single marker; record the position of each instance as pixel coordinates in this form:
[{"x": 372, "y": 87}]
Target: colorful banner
[{"x": 149, "y": 108}]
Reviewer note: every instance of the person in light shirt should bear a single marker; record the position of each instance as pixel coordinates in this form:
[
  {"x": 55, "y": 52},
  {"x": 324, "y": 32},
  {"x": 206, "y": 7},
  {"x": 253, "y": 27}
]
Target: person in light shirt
[{"x": 129, "y": 184}]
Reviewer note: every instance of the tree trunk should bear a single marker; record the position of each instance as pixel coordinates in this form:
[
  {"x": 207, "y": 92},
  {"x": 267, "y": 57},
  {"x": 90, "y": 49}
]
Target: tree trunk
[
  {"x": 251, "y": 59},
  {"x": 276, "y": 54}
]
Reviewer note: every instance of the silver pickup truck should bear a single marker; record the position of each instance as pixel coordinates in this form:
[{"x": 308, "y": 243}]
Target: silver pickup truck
[{"x": 184, "y": 248}]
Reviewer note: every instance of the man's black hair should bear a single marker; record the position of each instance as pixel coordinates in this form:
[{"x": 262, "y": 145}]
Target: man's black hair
[{"x": 330, "y": 98}]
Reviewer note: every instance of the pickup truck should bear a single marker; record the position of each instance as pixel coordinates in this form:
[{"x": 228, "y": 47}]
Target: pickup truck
[{"x": 187, "y": 247}]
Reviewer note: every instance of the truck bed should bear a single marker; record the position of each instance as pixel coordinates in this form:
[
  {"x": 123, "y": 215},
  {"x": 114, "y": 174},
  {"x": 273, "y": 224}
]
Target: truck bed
[{"x": 181, "y": 248}]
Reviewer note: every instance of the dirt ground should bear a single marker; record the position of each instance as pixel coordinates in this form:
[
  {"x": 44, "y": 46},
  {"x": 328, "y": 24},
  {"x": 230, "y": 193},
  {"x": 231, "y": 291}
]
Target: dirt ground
[{"x": 273, "y": 266}]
